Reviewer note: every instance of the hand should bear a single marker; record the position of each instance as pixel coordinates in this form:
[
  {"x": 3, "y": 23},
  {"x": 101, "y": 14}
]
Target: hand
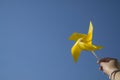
[{"x": 108, "y": 65}]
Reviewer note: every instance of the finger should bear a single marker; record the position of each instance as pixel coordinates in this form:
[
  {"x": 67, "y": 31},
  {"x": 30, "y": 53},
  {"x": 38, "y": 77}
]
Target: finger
[
  {"x": 107, "y": 59},
  {"x": 103, "y": 60}
]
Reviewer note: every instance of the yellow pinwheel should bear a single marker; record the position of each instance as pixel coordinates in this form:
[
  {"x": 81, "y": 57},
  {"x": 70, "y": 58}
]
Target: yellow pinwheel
[{"x": 83, "y": 42}]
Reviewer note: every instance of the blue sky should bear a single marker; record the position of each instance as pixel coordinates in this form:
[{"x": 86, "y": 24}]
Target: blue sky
[{"x": 34, "y": 36}]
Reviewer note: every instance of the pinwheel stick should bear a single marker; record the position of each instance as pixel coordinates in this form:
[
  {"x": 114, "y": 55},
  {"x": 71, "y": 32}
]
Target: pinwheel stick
[{"x": 95, "y": 55}]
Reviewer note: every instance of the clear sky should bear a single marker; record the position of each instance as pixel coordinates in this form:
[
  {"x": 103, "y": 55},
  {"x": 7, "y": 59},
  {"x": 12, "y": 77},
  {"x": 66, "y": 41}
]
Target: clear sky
[{"x": 34, "y": 36}]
